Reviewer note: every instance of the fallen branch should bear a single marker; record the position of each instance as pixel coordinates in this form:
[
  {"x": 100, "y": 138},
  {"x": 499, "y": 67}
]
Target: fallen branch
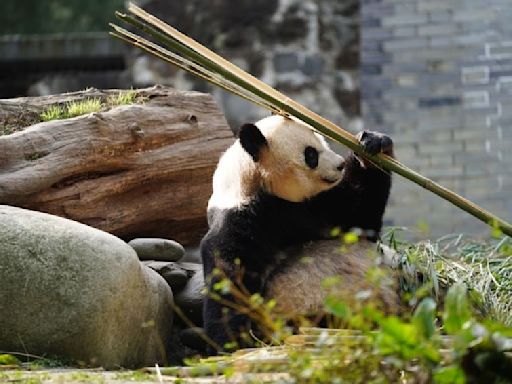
[{"x": 137, "y": 170}]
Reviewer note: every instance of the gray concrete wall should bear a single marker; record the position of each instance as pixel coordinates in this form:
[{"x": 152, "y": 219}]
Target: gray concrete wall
[
  {"x": 437, "y": 75},
  {"x": 307, "y": 49}
]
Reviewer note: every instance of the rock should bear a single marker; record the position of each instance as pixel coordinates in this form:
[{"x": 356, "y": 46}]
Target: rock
[
  {"x": 292, "y": 28},
  {"x": 313, "y": 66},
  {"x": 192, "y": 255},
  {"x": 175, "y": 275},
  {"x": 73, "y": 291},
  {"x": 175, "y": 278},
  {"x": 194, "y": 338},
  {"x": 191, "y": 267},
  {"x": 157, "y": 249},
  {"x": 190, "y": 298},
  {"x": 286, "y": 62}
]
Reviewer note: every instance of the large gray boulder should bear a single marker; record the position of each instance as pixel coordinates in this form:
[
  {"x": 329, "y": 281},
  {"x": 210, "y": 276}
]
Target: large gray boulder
[{"x": 70, "y": 290}]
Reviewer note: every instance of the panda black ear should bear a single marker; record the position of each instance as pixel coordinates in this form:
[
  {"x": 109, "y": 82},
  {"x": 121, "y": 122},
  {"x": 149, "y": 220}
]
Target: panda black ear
[{"x": 252, "y": 140}]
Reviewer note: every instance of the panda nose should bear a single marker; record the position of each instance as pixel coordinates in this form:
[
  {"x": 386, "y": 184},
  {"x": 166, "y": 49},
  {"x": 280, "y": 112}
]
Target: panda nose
[{"x": 340, "y": 167}]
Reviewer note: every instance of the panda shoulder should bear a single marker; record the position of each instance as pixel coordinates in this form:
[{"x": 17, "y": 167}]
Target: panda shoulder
[{"x": 234, "y": 179}]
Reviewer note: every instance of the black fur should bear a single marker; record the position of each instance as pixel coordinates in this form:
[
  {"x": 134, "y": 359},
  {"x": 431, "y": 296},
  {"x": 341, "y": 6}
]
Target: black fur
[
  {"x": 252, "y": 140},
  {"x": 256, "y": 233},
  {"x": 358, "y": 201}
]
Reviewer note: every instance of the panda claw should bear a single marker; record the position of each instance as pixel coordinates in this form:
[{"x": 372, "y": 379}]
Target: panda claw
[
  {"x": 375, "y": 142},
  {"x": 387, "y": 145},
  {"x": 372, "y": 147}
]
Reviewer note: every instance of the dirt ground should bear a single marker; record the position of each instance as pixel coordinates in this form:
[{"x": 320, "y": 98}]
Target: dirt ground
[{"x": 75, "y": 376}]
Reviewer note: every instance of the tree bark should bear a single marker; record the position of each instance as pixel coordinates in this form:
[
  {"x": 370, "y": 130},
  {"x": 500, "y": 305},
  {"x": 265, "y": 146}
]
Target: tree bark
[{"x": 141, "y": 170}]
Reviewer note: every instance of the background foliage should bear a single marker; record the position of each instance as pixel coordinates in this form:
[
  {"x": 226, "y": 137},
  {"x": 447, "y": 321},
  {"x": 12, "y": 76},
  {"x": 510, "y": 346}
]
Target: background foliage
[{"x": 56, "y": 16}]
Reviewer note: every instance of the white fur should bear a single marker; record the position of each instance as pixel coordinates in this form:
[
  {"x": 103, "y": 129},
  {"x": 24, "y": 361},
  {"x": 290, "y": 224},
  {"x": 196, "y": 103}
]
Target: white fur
[
  {"x": 228, "y": 189},
  {"x": 281, "y": 169}
]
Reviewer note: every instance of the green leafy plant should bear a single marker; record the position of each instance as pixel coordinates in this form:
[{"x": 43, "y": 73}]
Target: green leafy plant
[
  {"x": 8, "y": 359},
  {"x": 451, "y": 329}
]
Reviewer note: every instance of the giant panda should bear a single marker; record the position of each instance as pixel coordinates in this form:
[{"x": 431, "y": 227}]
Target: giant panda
[{"x": 278, "y": 187}]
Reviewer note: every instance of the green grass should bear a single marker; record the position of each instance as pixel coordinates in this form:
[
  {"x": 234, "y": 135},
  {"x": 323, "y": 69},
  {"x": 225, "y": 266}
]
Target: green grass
[
  {"x": 90, "y": 105},
  {"x": 83, "y": 107},
  {"x": 484, "y": 266},
  {"x": 36, "y": 369},
  {"x": 135, "y": 376},
  {"x": 124, "y": 98},
  {"x": 53, "y": 112},
  {"x": 72, "y": 109},
  {"x": 68, "y": 110},
  {"x": 97, "y": 376},
  {"x": 6, "y": 130}
]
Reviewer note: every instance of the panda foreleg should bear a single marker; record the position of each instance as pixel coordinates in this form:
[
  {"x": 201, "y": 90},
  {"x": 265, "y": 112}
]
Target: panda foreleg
[
  {"x": 363, "y": 193},
  {"x": 223, "y": 325},
  {"x": 225, "y": 313},
  {"x": 226, "y": 319},
  {"x": 372, "y": 184}
]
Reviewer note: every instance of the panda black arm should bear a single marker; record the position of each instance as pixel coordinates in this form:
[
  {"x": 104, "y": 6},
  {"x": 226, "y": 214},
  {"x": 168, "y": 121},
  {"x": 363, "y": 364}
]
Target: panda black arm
[
  {"x": 360, "y": 199},
  {"x": 366, "y": 192},
  {"x": 251, "y": 234},
  {"x": 222, "y": 323}
]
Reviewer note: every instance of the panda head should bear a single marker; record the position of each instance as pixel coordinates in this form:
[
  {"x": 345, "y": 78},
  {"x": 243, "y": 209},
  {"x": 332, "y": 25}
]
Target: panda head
[
  {"x": 281, "y": 156},
  {"x": 294, "y": 162}
]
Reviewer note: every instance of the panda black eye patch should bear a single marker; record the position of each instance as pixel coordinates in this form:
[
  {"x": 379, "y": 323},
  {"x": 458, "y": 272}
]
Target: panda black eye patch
[{"x": 311, "y": 157}]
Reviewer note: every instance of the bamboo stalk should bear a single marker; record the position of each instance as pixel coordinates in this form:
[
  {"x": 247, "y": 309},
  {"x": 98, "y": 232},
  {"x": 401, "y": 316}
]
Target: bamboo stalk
[
  {"x": 262, "y": 94},
  {"x": 184, "y": 64}
]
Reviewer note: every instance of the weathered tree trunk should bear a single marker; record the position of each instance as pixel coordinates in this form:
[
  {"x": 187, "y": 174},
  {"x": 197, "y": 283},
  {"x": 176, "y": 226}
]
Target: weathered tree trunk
[{"x": 136, "y": 170}]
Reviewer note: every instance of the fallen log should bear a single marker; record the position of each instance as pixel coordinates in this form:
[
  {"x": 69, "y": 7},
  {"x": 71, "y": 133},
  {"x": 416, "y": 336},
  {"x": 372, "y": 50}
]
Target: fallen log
[{"x": 139, "y": 170}]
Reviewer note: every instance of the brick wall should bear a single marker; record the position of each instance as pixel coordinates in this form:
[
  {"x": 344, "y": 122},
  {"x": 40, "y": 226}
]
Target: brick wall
[{"x": 437, "y": 75}]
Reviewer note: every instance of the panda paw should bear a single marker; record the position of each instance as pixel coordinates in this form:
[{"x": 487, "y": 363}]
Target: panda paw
[{"x": 375, "y": 142}]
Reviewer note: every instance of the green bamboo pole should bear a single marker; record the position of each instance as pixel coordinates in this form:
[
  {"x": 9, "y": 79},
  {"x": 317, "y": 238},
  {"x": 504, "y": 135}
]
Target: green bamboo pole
[
  {"x": 214, "y": 63},
  {"x": 191, "y": 55},
  {"x": 184, "y": 64},
  {"x": 234, "y": 74}
]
